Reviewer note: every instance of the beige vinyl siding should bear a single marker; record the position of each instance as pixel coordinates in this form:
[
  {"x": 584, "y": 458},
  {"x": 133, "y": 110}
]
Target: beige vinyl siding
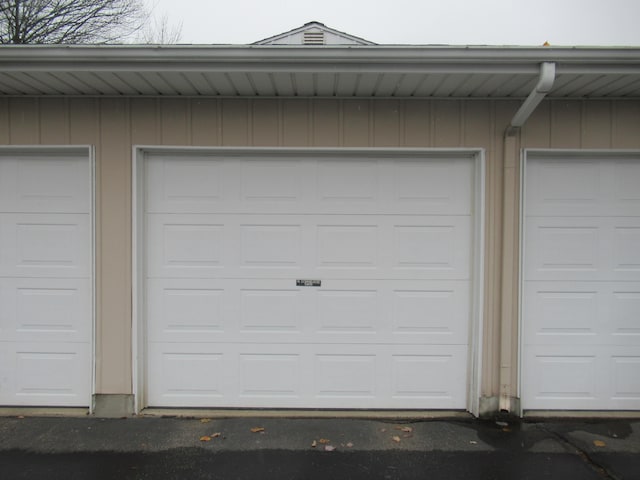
[{"x": 114, "y": 125}]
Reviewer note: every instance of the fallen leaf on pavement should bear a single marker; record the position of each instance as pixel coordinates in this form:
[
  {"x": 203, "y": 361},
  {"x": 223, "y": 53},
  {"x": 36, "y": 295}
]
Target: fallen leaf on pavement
[
  {"x": 396, "y": 439},
  {"x": 216, "y": 435},
  {"x": 473, "y": 442},
  {"x": 405, "y": 429},
  {"x": 205, "y": 438},
  {"x": 506, "y": 429},
  {"x": 205, "y": 420},
  {"x": 324, "y": 441},
  {"x": 329, "y": 448},
  {"x": 314, "y": 444},
  {"x": 349, "y": 445},
  {"x": 599, "y": 443},
  {"x": 20, "y": 417},
  {"x": 257, "y": 429}
]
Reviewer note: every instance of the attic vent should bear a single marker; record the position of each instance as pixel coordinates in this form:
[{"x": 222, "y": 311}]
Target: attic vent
[{"x": 313, "y": 38}]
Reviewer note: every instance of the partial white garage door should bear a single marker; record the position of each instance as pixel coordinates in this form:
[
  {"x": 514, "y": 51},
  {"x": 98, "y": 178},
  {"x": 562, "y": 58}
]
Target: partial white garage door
[
  {"x": 45, "y": 278},
  {"x": 307, "y": 281},
  {"x": 581, "y": 305}
]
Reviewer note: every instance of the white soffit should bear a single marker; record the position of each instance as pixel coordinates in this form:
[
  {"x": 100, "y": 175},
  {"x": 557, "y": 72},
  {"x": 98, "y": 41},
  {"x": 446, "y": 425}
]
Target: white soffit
[{"x": 298, "y": 71}]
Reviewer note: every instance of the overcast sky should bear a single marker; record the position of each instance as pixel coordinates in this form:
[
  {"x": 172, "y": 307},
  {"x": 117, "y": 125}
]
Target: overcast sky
[{"x": 452, "y": 22}]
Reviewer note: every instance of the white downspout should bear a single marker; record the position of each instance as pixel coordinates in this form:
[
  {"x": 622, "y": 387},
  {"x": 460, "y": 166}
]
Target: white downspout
[
  {"x": 545, "y": 82},
  {"x": 510, "y": 251}
]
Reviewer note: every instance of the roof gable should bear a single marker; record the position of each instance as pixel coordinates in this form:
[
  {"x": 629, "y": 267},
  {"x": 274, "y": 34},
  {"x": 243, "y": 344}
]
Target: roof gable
[{"x": 314, "y": 33}]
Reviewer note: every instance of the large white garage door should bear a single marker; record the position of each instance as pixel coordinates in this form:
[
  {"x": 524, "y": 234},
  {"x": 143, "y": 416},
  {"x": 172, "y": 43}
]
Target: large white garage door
[
  {"x": 310, "y": 282},
  {"x": 45, "y": 278},
  {"x": 581, "y": 305}
]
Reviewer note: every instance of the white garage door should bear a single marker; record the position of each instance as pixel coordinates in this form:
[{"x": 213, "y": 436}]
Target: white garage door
[
  {"x": 581, "y": 305},
  {"x": 45, "y": 278},
  {"x": 381, "y": 247}
]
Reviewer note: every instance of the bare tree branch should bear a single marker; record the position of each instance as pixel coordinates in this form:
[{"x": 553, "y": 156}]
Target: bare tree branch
[{"x": 69, "y": 21}]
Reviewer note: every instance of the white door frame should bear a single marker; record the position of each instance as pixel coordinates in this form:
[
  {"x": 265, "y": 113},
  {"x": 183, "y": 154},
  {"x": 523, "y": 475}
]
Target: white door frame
[
  {"x": 138, "y": 236},
  {"x": 89, "y": 152},
  {"x": 535, "y": 154}
]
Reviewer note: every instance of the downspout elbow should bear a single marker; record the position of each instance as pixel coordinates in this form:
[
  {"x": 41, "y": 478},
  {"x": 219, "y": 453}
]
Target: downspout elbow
[{"x": 542, "y": 88}]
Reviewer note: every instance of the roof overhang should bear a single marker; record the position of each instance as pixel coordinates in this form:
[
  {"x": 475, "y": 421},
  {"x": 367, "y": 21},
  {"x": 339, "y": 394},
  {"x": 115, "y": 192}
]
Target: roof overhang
[{"x": 303, "y": 71}]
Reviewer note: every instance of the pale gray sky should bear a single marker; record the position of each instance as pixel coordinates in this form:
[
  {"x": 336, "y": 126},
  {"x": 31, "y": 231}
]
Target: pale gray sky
[{"x": 453, "y": 22}]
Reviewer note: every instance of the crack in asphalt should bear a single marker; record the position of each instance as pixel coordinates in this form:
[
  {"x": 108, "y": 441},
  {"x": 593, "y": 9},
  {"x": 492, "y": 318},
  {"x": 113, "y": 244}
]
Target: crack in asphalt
[{"x": 583, "y": 454}]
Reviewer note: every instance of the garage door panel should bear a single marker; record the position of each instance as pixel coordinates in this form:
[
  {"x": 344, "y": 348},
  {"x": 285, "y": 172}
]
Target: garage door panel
[
  {"x": 583, "y": 248},
  {"x": 37, "y": 374},
  {"x": 597, "y": 313},
  {"x": 311, "y": 246},
  {"x": 209, "y": 184},
  {"x": 35, "y": 245},
  {"x": 51, "y": 310},
  {"x": 572, "y": 186},
  {"x": 558, "y": 312},
  {"x": 588, "y": 377},
  {"x": 44, "y": 184},
  {"x": 187, "y": 310},
  {"x": 625, "y": 194},
  {"x": 317, "y": 376}
]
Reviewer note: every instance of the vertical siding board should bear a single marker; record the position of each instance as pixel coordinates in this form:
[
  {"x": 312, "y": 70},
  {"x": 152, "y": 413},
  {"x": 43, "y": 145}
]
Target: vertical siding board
[
  {"x": 24, "y": 121},
  {"x": 536, "y": 133},
  {"x": 4, "y": 121},
  {"x": 386, "y": 123},
  {"x": 356, "y": 123},
  {"x": 175, "y": 120},
  {"x": 83, "y": 121},
  {"x": 235, "y": 122},
  {"x": 596, "y": 124},
  {"x": 54, "y": 121},
  {"x": 144, "y": 121},
  {"x": 295, "y": 123},
  {"x": 326, "y": 123},
  {"x": 502, "y": 114},
  {"x": 477, "y": 124},
  {"x": 626, "y": 124},
  {"x": 566, "y": 124},
  {"x": 205, "y": 124},
  {"x": 446, "y": 123},
  {"x": 265, "y": 122},
  {"x": 417, "y": 123},
  {"x": 114, "y": 251}
]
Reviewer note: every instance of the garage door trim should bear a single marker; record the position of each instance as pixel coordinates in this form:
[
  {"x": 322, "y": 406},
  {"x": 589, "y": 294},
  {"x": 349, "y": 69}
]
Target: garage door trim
[
  {"x": 546, "y": 154},
  {"x": 476, "y": 156}
]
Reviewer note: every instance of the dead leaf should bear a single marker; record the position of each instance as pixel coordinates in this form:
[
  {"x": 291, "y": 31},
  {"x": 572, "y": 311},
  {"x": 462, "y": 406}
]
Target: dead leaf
[
  {"x": 216, "y": 435},
  {"x": 396, "y": 439},
  {"x": 599, "y": 443},
  {"x": 405, "y": 429},
  {"x": 20, "y": 417},
  {"x": 329, "y": 448},
  {"x": 205, "y": 420},
  {"x": 205, "y": 438},
  {"x": 257, "y": 429},
  {"x": 324, "y": 441},
  {"x": 314, "y": 444},
  {"x": 349, "y": 445},
  {"x": 506, "y": 429},
  {"x": 473, "y": 442}
]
